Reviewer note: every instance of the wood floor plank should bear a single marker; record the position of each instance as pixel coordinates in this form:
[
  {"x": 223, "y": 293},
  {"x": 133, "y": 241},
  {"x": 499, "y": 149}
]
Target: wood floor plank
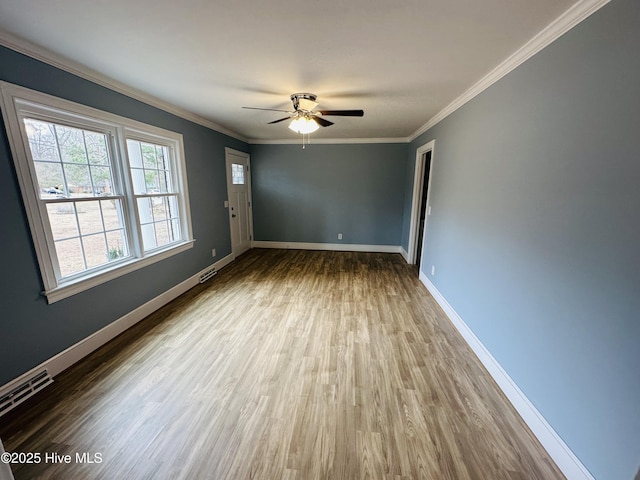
[{"x": 286, "y": 365}]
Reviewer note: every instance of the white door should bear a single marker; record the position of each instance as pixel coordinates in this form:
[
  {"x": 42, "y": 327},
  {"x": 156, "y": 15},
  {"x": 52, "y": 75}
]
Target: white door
[{"x": 239, "y": 193}]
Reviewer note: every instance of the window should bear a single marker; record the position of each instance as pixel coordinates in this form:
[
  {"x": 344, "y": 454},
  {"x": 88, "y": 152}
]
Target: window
[
  {"x": 237, "y": 174},
  {"x": 105, "y": 195}
]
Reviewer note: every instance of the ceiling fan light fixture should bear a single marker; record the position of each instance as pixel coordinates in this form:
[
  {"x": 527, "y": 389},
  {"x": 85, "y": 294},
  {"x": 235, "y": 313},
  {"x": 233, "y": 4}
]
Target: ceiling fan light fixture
[{"x": 304, "y": 125}]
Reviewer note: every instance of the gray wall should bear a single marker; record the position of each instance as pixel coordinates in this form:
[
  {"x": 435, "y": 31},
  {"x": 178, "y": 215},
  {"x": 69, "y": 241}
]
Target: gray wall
[
  {"x": 535, "y": 231},
  {"x": 311, "y": 195},
  {"x": 31, "y": 330}
]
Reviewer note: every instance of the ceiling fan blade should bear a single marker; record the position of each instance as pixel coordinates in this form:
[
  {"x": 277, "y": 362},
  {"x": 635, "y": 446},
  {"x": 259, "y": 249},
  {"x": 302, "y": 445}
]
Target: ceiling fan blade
[
  {"x": 323, "y": 122},
  {"x": 278, "y": 121},
  {"x": 343, "y": 113},
  {"x": 267, "y": 109}
]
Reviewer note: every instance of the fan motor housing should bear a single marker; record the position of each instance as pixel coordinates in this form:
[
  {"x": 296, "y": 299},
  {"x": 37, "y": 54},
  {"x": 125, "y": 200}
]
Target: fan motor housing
[{"x": 296, "y": 97}]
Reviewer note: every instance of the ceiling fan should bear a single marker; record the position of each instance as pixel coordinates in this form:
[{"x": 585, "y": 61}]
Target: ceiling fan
[{"x": 305, "y": 119}]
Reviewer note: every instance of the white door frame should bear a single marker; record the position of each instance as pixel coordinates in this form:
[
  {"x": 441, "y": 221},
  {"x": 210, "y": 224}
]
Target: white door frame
[
  {"x": 418, "y": 185},
  {"x": 227, "y": 151}
]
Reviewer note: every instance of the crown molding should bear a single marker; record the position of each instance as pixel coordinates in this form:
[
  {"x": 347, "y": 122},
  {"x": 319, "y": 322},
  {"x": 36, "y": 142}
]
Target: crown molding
[
  {"x": 328, "y": 141},
  {"x": 565, "y": 22},
  {"x": 561, "y": 25},
  {"x": 42, "y": 54}
]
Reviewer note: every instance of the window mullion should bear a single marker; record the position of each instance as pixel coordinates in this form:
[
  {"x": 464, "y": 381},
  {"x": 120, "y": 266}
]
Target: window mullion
[{"x": 134, "y": 230}]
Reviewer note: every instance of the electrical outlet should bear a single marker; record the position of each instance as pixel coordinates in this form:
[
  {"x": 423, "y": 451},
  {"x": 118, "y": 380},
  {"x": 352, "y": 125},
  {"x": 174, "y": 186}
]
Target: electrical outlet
[
  {"x": 433, "y": 270},
  {"x": 213, "y": 252},
  {"x": 339, "y": 236}
]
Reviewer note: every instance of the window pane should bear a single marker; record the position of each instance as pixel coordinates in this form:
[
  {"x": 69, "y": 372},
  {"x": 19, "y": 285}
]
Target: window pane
[
  {"x": 78, "y": 180},
  {"x": 62, "y": 219},
  {"x": 151, "y": 181},
  {"x": 164, "y": 185},
  {"x": 71, "y": 143},
  {"x": 175, "y": 229},
  {"x": 237, "y": 174},
  {"x": 116, "y": 245},
  {"x": 148, "y": 236},
  {"x": 149, "y": 159},
  {"x": 168, "y": 182},
  {"x": 42, "y": 140},
  {"x": 112, "y": 214},
  {"x": 102, "y": 182},
  {"x": 162, "y": 156},
  {"x": 173, "y": 207},
  {"x": 145, "y": 210},
  {"x": 95, "y": 250},
  {"x": 101, "y": 237},
  {"x": 162, "y": 233},
  {"x": 159, "y": 220},
  {"x": 160, "y": 209},
  {"x": 89, "y": 217},
  {"x": 150, "y": 167},
  {"x": 61, "y": 157},
  {"x": 135, "y": 156},
  {"x": 50, "y": 179},
  {"x": 139, "y": 183},
  {"x": 96, "y": 148},
  {"x": 70, "y": 256}
]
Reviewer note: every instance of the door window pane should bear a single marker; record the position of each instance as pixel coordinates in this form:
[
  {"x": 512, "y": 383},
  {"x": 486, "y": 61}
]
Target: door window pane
[{"x": 237, "y": 174}]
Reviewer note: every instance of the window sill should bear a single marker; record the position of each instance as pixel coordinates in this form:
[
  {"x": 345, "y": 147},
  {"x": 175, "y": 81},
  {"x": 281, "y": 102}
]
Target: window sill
[{"x": 72, "y": 288}]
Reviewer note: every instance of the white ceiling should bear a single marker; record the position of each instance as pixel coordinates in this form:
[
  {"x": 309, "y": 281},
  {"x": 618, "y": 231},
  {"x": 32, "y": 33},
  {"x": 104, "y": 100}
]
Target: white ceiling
[{"x": 402, "y": 61}]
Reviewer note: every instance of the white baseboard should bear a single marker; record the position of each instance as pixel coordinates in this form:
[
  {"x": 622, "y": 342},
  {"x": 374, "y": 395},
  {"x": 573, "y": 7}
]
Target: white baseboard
[
  {"x": 561, "y": 454},
  {"x": 404, "y": 254},
  {"x": 77, "y": 352},
  {"x": 220, "y": 264},
  {"x": 338, "y": 247}
]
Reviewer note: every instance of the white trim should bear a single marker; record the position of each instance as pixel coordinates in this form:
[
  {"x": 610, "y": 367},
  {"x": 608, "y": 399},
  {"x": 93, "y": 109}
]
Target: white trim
[
  {"x": 68, "y": 289},
  {"x": 17, "y": 101},
  {"x": 336, "y": 247},
  {"x": 37, "y": 52},
  {"x": 63, "y": 360},
  {"x": 561, "y": 454},
  {"x": 561, "y": 25},
  {"x": 565, "y": 22},
  {"x": 227, "y": 165},
  {"x": 404, "y": 254},
  {"x": 233, "y": 151},
  {"x": 219, "y": 265},
  {"x": 418, "y": 186},
  {"x": 328, "y": 141}
]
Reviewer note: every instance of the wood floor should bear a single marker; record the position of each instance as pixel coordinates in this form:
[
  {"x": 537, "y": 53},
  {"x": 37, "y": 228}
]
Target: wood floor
[{"x": 286, "y": 365}]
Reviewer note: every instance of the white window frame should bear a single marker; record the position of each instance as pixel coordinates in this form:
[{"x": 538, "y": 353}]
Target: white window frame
[{"x": 18, "y": 100}]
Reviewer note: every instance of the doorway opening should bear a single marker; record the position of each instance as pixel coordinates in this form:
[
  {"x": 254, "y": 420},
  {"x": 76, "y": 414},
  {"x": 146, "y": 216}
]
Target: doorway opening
[{"x": 421, "y": 205}]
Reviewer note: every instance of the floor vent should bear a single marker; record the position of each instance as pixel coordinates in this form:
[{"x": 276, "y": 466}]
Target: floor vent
[
  {"x": 24, "y": 391},
  {"x": 207, "y": 275}
]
